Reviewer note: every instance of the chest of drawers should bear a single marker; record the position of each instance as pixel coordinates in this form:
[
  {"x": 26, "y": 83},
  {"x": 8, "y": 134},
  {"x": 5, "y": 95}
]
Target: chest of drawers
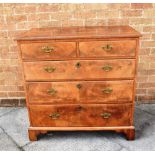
[{"x": 80, "y": 78}]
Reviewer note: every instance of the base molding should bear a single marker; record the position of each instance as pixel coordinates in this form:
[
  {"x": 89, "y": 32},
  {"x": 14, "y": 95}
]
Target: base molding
[
  {"x": 129, "y": 131},
  {"x": 80, "y": 128}
]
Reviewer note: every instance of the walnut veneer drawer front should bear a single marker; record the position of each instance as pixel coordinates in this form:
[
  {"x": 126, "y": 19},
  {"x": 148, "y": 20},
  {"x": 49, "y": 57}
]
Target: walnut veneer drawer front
[
  {"x": 80, "y": 78},
  {"x": 48, "y": 50},
  {"x": 82, "y": 69},
  {"x": 82, "y": 91},
  {"x": 108, "y": 48},
  {"x": 80, "y": 115}
]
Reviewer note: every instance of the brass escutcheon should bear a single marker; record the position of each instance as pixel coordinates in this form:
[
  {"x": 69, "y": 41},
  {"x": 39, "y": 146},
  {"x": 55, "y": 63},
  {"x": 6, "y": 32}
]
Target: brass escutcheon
[
  {"x": 78, "y": 65},
  {"x": 79, "y": 86}
]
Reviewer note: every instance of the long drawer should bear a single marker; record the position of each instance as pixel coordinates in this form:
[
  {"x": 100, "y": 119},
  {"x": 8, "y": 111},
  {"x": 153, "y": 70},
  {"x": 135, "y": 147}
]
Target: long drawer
[
  {"x": 80, "y": 92},
  {"x": 48, "y": 50},
  {"x": 78, "y": 70},
  {"x": 121, "y": 48},
  {"x": 80, "y": 115}
]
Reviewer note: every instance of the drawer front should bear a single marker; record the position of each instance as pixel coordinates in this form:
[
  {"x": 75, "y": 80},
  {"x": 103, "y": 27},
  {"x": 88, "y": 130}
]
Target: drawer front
[
  {"x": 82, "y": 69},
  {"x": 107, "y": 48},
  {"x": 80, "y": 115},
  {"x": 52, "y": 50},
  {"x": 84, "y": 92},
  {"x": 52, "y": 92}
]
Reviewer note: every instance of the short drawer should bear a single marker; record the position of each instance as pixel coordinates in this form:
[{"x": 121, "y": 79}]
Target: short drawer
[
  {"x": 84, "y": 92},
  {"x": 80, "y": 115},
  {"x": 122, "y": 48},
  {"x": 78, "y": 70},
  {"x": 48, "y": 50}
]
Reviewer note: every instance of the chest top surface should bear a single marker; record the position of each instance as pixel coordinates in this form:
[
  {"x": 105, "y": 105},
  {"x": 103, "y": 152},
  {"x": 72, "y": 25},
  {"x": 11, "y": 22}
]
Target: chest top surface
[{"x": 79, "y": 32}]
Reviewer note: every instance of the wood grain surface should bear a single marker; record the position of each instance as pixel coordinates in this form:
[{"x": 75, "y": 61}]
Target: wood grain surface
[
  {"x": 48, "y": 50},
  {"x": 79, "y": 69},
  {"x": 80, "y": 115},
  {"x": 80, "y": 92},
  {"x": 107, "y": 48}
]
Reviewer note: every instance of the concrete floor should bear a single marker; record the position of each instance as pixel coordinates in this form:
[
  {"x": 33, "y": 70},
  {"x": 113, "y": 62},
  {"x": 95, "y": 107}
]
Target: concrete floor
[{"x": 14, "y": 124}]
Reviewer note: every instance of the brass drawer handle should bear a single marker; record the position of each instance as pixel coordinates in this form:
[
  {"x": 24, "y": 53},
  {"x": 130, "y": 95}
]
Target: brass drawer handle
[
  {"x": 107, "y": 68},
  {"x": 79, "y": 86},
  {"x": 49, "y": 69},
  {"x": 107, "y": 90},
  {"x": 54, "y": 115},
  {"x": 47, "y": 49},
  {"x": 78, "y": 65},
  {"x": 105, "y": 115},
  {"x": 107, "y": 47},
  {"x": 51, "y": 91}
]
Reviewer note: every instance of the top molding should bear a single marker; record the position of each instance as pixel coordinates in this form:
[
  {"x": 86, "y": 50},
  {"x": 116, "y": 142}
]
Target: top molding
[{"x": 58, "y": 33}]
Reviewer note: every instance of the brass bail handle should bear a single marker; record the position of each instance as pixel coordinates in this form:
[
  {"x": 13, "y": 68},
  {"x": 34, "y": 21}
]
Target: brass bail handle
[
  {"x": 47, "y": 49},
  {"x": 107, "y": 90},
  {"x": 105, "y": 115},
  {"x": 49, "y": 69},
  {"x": 107, "y": 47},
  {"x": 54, "y": 115},
  {"x": 51, "y": 91},
  {"x": 107, "y": 68}
]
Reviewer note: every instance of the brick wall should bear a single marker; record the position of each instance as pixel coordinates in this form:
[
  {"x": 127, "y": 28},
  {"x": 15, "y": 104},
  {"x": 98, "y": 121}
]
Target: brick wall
[{"x": 16, "y": 18}]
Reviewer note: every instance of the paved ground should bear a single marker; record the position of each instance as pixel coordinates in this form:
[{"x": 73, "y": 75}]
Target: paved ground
[{"x": 13, "y": 134}]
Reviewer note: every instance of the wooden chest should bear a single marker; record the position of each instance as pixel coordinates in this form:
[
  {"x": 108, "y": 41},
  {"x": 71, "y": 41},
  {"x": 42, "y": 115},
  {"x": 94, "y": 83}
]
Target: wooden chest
[{"x": 80, "y": 78}]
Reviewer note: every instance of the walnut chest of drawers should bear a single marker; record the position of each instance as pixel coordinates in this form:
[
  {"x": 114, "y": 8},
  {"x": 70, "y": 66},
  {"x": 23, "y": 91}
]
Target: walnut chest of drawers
[{"x": 80, "y": 78}]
